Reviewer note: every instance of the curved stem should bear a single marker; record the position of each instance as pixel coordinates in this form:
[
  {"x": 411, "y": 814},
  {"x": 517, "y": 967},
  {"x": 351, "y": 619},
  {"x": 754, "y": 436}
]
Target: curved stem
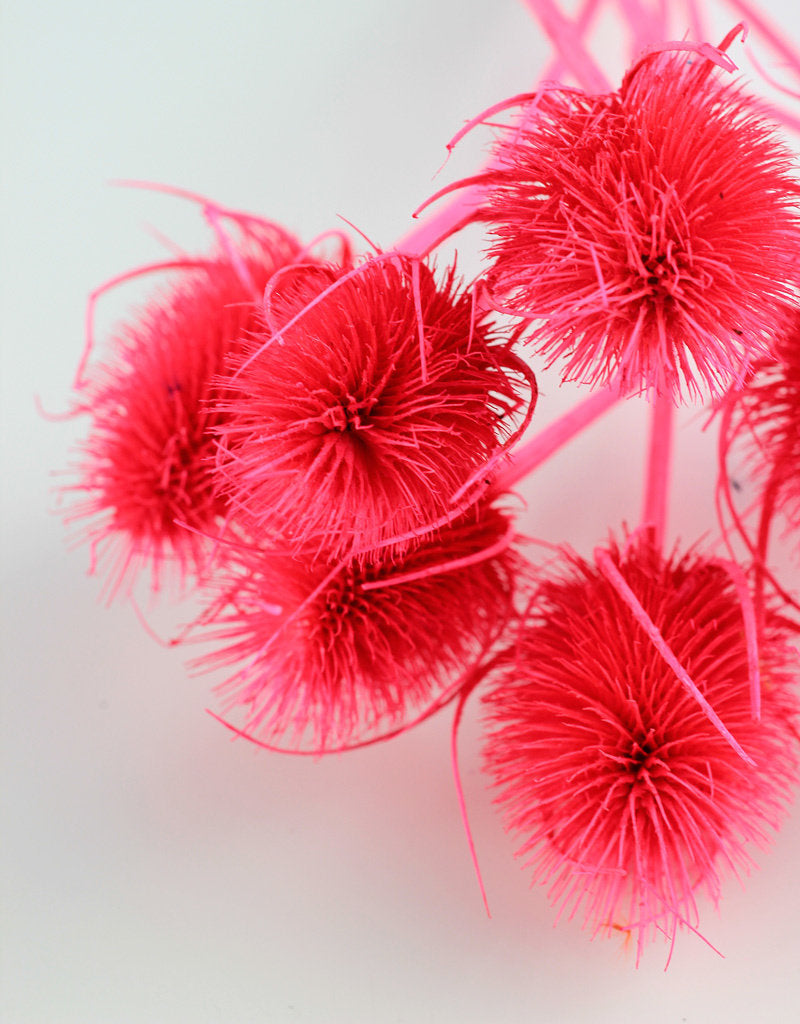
[
  {"x": 659, "y": 461},
  {"x": 462, "y": 803}
]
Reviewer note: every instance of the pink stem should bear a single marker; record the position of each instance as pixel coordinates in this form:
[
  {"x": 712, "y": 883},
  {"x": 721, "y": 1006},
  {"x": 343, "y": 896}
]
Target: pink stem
[
  {"x": 616, "y": 579},
  {"x": 750, "y": 621},
  {"x": 645, "y": 26},
  {"x": 696, "y": 21},
  {"x": 548, "y": 441},
  {"x": 569, "y": 46},
  {"x": 659, "y": 461}
]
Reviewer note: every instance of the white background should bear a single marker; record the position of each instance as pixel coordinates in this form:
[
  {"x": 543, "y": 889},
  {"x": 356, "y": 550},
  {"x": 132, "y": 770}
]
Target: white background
[{"x": 153, "y": 870}]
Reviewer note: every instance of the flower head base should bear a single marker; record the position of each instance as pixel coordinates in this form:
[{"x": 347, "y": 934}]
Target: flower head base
[
  {"x": 148, "y": 463},
  {"x": 365, "y": 405},
  {"x": 651, "y": 233},
  {"x": 336, "y": 651},
  {"x": 627, "y": 797}
]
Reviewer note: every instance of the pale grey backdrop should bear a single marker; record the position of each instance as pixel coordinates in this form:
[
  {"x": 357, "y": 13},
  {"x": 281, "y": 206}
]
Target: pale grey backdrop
[{"x": 152, "y": 870}]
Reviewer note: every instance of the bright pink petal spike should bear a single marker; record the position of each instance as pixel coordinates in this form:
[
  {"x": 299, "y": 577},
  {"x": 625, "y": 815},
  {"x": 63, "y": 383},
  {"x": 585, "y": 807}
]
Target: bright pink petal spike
[{"x": 628, "y": 800}]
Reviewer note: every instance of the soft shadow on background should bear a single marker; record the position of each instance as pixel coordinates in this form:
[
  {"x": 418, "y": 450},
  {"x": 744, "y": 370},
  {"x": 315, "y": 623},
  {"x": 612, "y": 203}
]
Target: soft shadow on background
[{"x": 152, "y": 869}]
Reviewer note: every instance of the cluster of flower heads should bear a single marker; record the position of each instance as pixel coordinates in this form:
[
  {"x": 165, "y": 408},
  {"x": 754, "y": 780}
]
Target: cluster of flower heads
[
  {"x": 320, "y": 447},
  {"x": 307, "y": 441}
]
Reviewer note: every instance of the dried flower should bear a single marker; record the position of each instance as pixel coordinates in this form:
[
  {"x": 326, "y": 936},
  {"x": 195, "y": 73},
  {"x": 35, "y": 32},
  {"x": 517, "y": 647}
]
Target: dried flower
[
  {"x": 366, "y": 405},
  {"x": 627, "y": 798},
  {"x": 148, "y": 463},
  {"x": 335, "y": 650},
  {"x": 652, "y": 233}
]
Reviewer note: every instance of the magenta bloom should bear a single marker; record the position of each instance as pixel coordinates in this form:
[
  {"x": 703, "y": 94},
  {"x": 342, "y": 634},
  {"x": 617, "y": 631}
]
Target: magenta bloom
[
  {"x": 626, "y": 797},
  {"x": 334, "y": 651},
  {"x": 366, "y": 404},
  {"x": 148, "y": 463},
  {"x": 650, "y": 235}
]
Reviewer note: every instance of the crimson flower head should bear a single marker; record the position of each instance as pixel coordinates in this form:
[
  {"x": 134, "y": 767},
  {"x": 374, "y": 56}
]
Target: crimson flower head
[
  {"x": 148, "y": 462},
  {"x": 650, "y": 235},
  {"x": 334, "y": 651},
  {"x": 366, "y": 405},
  {"x": 627, "y": 798}
]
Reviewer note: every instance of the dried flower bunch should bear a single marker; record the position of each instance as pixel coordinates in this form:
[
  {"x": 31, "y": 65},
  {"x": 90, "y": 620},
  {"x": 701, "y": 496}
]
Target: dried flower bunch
[{"x": 320, "y": 447}]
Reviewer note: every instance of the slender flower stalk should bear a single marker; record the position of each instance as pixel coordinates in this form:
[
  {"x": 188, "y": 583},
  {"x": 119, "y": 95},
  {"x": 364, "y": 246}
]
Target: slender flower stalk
[
  {"x": 543, "y": 445},
  {"x": 569, "y": 45},
  {"x": 659, "y": 462}
]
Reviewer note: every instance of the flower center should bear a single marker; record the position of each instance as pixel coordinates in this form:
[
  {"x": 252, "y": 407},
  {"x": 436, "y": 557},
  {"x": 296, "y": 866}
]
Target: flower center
[
  {"x": 341, "y": 600},
  {"x": 642, "y": 756},
  {"x": 659, "y": 272},
  {"x": 347, "y": 415}
]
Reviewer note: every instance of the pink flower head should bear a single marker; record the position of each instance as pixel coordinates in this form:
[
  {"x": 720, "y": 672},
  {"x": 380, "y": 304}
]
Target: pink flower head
[
  {"x": 336, "y": 650},
  {"x": 148, "y": 463},
  {"x": 365, "y": 407},
  {"x": 627, "y": 798},
  {"x": 651, "y": 234}
]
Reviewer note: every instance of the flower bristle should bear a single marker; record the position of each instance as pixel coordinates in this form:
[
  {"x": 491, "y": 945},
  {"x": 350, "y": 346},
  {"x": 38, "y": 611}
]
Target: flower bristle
[
  {"x": 627, "y": 799},
  {"x": 147, "y": 467},
  {"x": 334, "y": 651},
  {"x": 349, "y": 430},
  {"x": 766, "y": 416},
  {"x": 649, "y": 234}
]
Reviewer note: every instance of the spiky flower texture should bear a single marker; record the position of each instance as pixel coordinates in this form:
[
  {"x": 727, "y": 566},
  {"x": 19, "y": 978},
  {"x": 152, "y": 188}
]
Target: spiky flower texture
[
  {"x": 147, "y": 468},
  {"x": 333, "y": 651},
  {"x": 364, "y": 406},
  {"x": 651, "y": 234},
  {"x": 626, "y": 797}
]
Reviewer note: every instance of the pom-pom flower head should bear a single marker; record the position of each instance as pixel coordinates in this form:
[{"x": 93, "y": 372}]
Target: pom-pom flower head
[
  {"x": 148, "y": 463},
  {"x": 626, "y": 796},
  {"x": 367, "y": 408},
  {"x": 650, "y": 234},
  {"x": 336, "y": 651}
]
